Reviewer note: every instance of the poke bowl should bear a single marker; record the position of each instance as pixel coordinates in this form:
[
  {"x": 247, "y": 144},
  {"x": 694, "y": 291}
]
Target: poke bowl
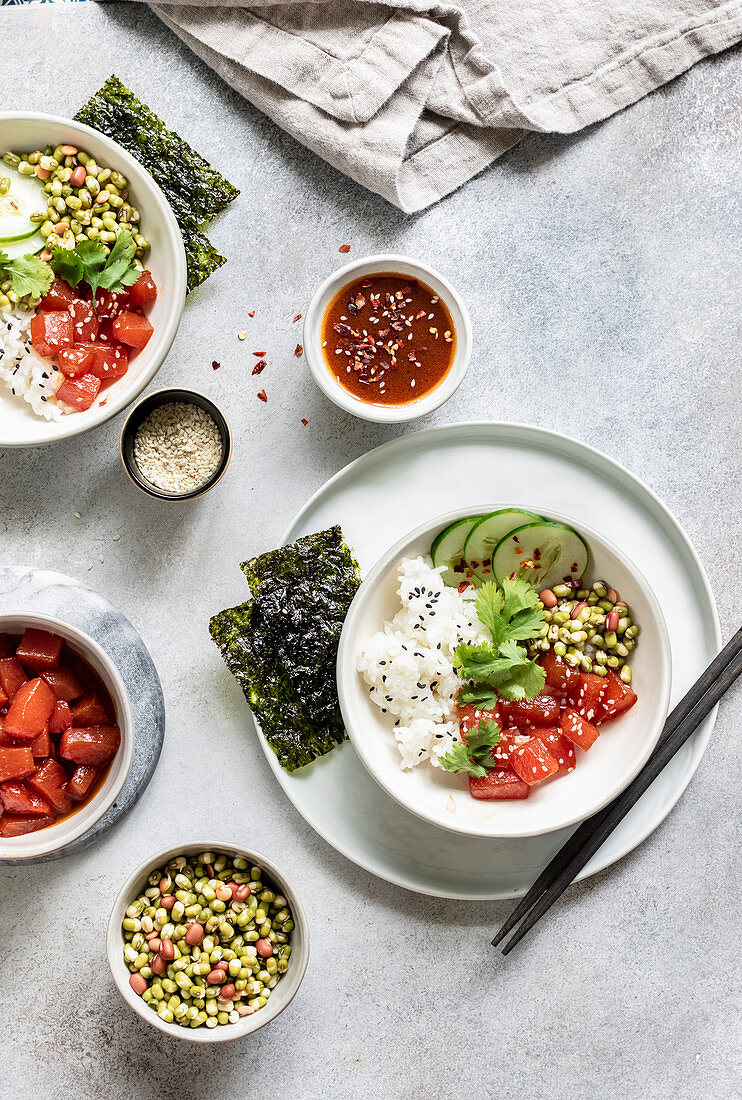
[
  {"x": 153, "y": 939},
  {"x": 66, "y": 734},
  {"x": 510, "y": 690},
  {"x": 72, "y": 353}
]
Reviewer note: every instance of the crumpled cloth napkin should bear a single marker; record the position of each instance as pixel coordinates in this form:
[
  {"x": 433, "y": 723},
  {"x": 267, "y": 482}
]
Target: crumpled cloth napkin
[{"x": 412, "y": 98}]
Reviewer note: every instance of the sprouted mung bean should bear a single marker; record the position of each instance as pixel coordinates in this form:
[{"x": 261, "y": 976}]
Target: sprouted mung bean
[
  {"x": 207, "y": 940},
  {"x": 178, "y": 447}
]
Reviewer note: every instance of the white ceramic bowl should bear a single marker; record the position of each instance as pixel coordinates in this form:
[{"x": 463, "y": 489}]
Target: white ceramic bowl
[
  {"x": 282, "y": 994},
  {"x": 325, "y": 379},
  {"x": 57, "y": 837},
  {"x": 443, "y": 798},
  {"x": 19, "y": 427}
]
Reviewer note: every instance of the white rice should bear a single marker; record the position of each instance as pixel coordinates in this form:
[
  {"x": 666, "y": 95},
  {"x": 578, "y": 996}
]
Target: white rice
[
  {"x": 408, "y": 665},
  {"x": 24, "y": 372}
]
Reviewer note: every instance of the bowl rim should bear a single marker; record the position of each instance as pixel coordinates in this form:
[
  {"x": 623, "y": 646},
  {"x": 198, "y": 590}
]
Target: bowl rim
[
  {"x": 164, "y": 396},
  {"x": 248, "y": 1024},
  {"x": 79, "y": 423},
  {"x": 387, "y": 414},
  {"x": 110, "y": 674},
  {"x": 345, "y": 668}
]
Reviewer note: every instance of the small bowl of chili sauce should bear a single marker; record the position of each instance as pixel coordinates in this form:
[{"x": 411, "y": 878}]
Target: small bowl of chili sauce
[{"x": 387, "y": 338}]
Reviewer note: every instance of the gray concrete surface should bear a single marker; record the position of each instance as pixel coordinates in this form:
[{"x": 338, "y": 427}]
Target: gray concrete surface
[{"x": 603, "y": 274}]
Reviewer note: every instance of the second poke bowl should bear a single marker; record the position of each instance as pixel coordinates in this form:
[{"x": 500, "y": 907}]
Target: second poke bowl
[
  {"x": 502, "y": 673},
  {"x": 72, "y": 353}
]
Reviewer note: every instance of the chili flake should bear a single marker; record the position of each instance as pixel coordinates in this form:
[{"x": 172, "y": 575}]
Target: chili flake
[
  {"x": 298, "y": 351},
  {"x": 297, "y": 318},
  {"x": 215, "y": 365},
  {"x": 304, "y": 421},
  {"x": 344, "y": 248},
  {"x": 259, "y": 366},
  {"x": 251, "y": 313},
  {"x": 262, "y": 396},
  {"x": 258, "y": 354}
]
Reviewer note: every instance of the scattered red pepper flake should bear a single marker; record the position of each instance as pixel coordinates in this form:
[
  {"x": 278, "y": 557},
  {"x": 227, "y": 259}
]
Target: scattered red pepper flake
[
  {"x": 298, "y": 351},
  {"x": 297, "y": 318},
  {"x": 304, "y": 421},
  {"x": 251, "y": 313},
  {"x": 262, "y": 396},
  {"x": 103, "y": 402},
  {"x": 215, "y": 364},
  {"x": 259, "y": 366},
  {"x": 258, "y": 354},
  {"x": 344, "y": 248}
]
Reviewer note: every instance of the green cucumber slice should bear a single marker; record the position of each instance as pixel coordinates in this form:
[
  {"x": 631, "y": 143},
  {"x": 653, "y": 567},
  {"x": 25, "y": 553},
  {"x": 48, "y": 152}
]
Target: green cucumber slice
[
  {"x": 29, "y": 246},
  {"x": 26, "y": 195},
  {"x": 545, "y": 554},
  {"x": 448, "y": 549},
  {"x": 487, "y": 533}
]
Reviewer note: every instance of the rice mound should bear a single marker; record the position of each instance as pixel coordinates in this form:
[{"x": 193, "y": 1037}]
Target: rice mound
[
  {"x": 26, "y": 373},
  {"x": 409, "y": 664}
]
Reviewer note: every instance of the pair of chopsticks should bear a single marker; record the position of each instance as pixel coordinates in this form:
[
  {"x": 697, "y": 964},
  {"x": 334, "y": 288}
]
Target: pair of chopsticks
[{"x": 588, "y": 837}]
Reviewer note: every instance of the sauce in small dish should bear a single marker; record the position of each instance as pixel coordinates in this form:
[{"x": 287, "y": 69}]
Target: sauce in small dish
[{"x": 388, "y": 339}]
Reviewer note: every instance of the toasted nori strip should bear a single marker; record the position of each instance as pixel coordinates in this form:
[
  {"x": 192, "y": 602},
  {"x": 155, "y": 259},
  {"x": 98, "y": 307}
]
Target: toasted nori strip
[
  {"x": 282, "y": 645},
  {"x": 195, "y": 190}
]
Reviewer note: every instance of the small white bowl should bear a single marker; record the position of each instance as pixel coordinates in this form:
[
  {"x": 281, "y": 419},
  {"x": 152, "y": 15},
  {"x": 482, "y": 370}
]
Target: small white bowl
[
  {"x": 442, "y": 798},
  {"x": 325, "y": 379},
  {"x": 57, "y": 837},
  {"x": 281, "y": 995},
  {"x": 19, "y": 426}
]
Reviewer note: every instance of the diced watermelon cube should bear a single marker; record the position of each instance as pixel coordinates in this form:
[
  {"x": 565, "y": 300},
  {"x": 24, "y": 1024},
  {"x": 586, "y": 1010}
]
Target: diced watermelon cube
[
  {"x": 74, "y": 362},
  {"x": 533, "y": 762},
  {"x": 541, "y": 711},
  {"x": 61, "y": 718},
  {"x": 50, "y": 332},
  {"x": 50, "y": 780},
  {"x": 95, "y": 745},
  {"x": 12, "y": 676},
  {"x": 560, "y": 748},
  {"x": 110, "y": 363},
  {"x": 64, "y": 683},
  {"x": 143, "y": 290},
  {"x": 19, "y": 798},
  {"x": 16, "y": 762},
  {"x": 89, "y": 711},
  {"x": 82, "y": 780},
  {"x": 85, "y": 321},
  {"x": 59, "y": 296},
  {"x": 499, "y": 784},
  {"x": 132, "y": 329},
  {"x": 617, "y": 698},
  {"x": 39, "y": 649},
  {"x": 587, "y": 695},
  {"x": 80, "y": 393},
  {"x": 561, "y": 678},
  {"x": 577, "y": 729},
  {"x": 30, "y": 709},
  {"x": 41, "y": 746},
  {"x": 18, "y": 824}
]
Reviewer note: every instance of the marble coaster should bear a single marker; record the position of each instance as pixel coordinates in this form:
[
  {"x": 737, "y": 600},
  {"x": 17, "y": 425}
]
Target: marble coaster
[{"x": 54, "y": 594}]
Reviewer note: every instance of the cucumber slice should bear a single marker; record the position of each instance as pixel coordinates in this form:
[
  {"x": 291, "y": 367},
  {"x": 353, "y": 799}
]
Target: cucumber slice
[
  {"x": 25, "y": 196},
  {"x": 543, "y": 553},
  {"x": 487, "y": 533},
  {"x": 448, "y": 548},
  {"x": 29, "y": 246}
]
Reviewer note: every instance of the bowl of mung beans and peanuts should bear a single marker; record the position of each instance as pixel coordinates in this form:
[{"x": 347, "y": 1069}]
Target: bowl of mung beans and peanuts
[
  {"x": 159, "y": 251},
  {"x": 208, "y": 942}
]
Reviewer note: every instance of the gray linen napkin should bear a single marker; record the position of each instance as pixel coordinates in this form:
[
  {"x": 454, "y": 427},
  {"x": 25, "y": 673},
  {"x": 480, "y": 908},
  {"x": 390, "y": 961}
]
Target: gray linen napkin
[{"x": 412, "y": 97}]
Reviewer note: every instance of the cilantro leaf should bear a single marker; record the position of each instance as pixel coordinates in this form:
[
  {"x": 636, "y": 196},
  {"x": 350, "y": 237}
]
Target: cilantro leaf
[
  {"x": 119, "y": 271},
  {"x": 484, "y": 663},
  {"x": 471, "y": 758},
  {"x": 27, "y": 274},
  {"x": 519, "y": 594},
  {"x": 482, "y": 696},
  {"x": 66, "y": 263},
  {"x": 524, "y": 682}
]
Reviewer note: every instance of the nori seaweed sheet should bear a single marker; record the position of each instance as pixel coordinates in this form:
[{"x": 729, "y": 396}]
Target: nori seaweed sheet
[
  {"x": 282, "y": 645},
  {"x": 195, "y": 190}
]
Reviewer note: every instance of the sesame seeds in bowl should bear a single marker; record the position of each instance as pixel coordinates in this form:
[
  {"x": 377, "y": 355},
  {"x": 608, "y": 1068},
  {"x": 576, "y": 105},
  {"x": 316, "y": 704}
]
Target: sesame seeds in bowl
[{"x": 175, "y": 444}]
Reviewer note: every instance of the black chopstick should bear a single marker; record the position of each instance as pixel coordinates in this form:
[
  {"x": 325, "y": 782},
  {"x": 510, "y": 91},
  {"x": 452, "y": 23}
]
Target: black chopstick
[{"x": 588, "y": 837}]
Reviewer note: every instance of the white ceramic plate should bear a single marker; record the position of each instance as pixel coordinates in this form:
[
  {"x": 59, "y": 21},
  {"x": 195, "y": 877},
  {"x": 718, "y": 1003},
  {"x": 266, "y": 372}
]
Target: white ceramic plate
[
  {"x": 385, "y": 493},
  {"x": 19, "y": 427},
  {"x": 443, "y": 799}
]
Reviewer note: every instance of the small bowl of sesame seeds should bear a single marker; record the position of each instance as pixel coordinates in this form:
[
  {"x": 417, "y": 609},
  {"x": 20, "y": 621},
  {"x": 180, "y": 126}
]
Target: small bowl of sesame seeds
[
  {"x": 175, "y": 444},
  {"x": 387, "y": 338}
]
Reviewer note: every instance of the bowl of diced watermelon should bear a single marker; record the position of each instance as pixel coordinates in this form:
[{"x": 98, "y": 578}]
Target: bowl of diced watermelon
[{"x": 66, "y": 734}]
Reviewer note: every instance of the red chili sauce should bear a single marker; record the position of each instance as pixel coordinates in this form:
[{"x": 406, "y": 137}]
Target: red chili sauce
[{"x": 388, "y": 339}]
